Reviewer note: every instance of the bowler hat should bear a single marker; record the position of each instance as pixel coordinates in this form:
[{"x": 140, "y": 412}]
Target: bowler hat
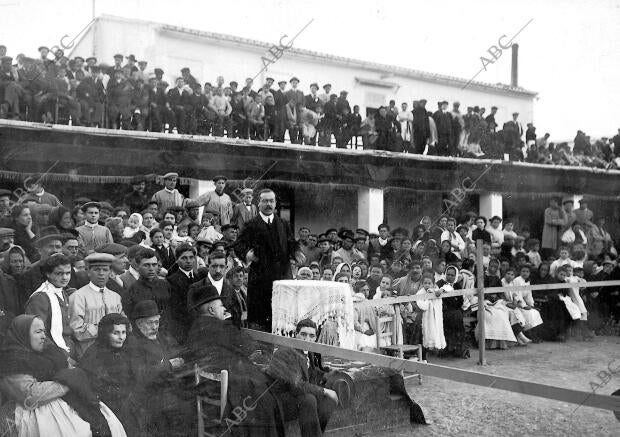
[
  {"x": 158, "y": 71},
  {"x": 201, "y": 295},
  {"x": 131, "y": 58},
  {"x": 145, "y": 308}
]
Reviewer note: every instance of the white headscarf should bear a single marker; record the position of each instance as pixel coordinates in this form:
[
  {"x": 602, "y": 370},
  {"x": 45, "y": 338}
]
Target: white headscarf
[{"x": 129, "y": 232}]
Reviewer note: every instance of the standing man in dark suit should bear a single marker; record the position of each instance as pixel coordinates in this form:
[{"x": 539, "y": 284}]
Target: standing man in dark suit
[
  {"x": 299, "y": 375},
  {"x": 443, "y": 121},
  {"x": 421, "y": 127},
  {"x": 268, "y": 244},
  {"x": 180, "y": 282},
  {"x": 298, "y": 96},
  {"x": 244, "y": 211},
  {"x": 280, "y": 100}
]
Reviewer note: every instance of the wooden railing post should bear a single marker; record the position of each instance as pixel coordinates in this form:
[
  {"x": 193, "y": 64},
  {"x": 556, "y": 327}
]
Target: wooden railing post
[{"x": 480, "y": 285}]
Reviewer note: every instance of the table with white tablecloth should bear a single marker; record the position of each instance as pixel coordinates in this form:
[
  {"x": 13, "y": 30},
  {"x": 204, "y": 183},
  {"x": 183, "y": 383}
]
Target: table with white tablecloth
[{"x": 320, "y": 301}]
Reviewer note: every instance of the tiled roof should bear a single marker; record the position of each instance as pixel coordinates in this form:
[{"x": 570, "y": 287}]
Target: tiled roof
[{"x": 339, "y": 60}]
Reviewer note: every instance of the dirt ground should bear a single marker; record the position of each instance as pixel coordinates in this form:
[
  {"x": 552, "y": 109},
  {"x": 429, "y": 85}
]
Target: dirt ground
[{"x": 469, "y": 410}]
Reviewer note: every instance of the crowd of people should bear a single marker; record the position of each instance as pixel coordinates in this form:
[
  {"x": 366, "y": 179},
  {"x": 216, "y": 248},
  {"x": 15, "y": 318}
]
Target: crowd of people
[
  {"x": 102, "y": 306},
  {"x": 52, "y": 88}
]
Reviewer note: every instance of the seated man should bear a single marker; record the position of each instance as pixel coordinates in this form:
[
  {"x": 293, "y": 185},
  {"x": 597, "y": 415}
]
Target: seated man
[
  {"x": 155, "y": 357},
  {"x": 216, "y": 344},
  {"x": 298, "y": 374}
]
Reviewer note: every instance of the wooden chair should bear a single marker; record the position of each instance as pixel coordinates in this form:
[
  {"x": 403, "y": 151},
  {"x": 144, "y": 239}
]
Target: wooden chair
[
  {"x": 222, "y": 378},
  {"x": 390, "y": 321}
]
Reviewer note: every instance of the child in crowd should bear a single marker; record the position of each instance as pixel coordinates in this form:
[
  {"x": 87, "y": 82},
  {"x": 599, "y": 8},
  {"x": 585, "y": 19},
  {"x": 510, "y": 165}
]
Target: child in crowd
[
  {"x": 564, "y": 294},
  {"x": 524, "y": 301},
  {"x": 534, "y": 246},
  {"x": 383, "y": 290},
  {"x": 562, "y": 260},
  {"x": 432, "y": 316},
  {"x": 509, "y": 276},
  {"x": 182, "y": 236},
  {"x": 574, "y": 291},
  {"x": 208, "y": 232}
]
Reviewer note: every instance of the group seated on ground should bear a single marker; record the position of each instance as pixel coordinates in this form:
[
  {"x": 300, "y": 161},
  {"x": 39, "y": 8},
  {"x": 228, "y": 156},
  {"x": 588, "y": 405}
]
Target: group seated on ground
[{"x": 52, "y": 88}]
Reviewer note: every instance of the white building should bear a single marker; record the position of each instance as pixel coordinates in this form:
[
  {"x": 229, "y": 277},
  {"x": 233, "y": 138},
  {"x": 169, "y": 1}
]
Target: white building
[{"x": 370, "y": 85}]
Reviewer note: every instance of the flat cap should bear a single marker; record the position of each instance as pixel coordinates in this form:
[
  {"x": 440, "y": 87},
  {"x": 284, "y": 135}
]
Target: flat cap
[
  {"x": 112, "y": 249},
  {"x": 6, "y": 232},
  {"x": 90, "y": 205},
  {"x": 171, "y": 175},
  {"x": 219, "y": 177},
  {"x": 293, "y": 79},
  {"x": 4, "y": 192},
  {"x": 118, "y": 55},
  {"x": 244, "y": 191},
  {"x": 97, "y": 258}
]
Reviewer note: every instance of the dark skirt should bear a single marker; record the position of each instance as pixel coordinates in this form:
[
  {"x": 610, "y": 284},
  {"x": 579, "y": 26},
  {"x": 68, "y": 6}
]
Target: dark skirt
[
  {"x": 454, "y": 331},
  {"x": 556, "y": 319}
]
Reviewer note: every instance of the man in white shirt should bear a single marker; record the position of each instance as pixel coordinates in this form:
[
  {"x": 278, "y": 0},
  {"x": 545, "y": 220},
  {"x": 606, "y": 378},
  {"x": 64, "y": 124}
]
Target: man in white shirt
[{"x": 89, "y": 304}]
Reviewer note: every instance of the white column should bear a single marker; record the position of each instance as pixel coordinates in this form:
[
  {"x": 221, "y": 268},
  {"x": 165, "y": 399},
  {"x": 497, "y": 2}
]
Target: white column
[
  {"x": 490, "y": 205},
  {"x": 199, "y": 187},
  {"x": 369, "y": 208}
]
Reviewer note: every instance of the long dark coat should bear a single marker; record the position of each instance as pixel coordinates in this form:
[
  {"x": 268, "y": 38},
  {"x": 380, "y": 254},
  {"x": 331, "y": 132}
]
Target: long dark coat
[{"x": 273, "y": 263}]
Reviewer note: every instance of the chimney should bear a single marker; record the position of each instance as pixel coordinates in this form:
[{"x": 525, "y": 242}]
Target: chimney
[{"x": 514, "y": 70}]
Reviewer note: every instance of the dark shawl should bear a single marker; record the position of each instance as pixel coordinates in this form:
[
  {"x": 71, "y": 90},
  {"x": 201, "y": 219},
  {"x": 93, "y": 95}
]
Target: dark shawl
[
  {"x": 51, "y": 364},
  {"x": 113, "y": 378}
]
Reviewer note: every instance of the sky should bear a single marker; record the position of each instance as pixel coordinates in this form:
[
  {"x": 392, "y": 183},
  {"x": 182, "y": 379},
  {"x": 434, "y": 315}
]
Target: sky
[{"x": 569, "y": 52}]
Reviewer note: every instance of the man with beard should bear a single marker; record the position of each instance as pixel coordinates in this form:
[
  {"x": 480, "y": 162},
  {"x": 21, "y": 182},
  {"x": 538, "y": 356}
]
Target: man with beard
[
  {"x": 155, "y": 357},
  {"x": 421, "y": 127},
  {"x": 268, "y": 243},
  {"x": 215, "y": 344},
  {"x": 218, "y": 201}
]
